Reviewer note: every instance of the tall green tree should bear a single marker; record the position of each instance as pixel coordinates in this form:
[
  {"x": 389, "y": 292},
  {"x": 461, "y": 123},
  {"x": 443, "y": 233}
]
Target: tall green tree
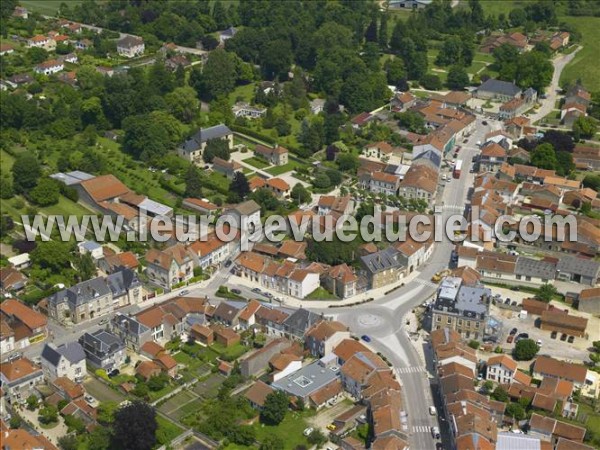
[
  {"x": 275, "y": 408},
  {"x": 135, "y": 427},
  {"x": 457, "y": 78},
  {"x": 193, "y": 182},
  {"x": 26, "y": 172}
]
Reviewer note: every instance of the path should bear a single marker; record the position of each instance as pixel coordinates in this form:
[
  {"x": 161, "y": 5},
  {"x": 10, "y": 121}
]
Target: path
[{"x": 553, "y": 90}]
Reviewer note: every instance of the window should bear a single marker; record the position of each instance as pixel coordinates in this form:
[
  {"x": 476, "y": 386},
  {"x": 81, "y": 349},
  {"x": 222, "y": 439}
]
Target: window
[
  {"x": 449, "y": 320},
  {"x": 518, "y": 277},
  {"x": 528, "y": 278}
]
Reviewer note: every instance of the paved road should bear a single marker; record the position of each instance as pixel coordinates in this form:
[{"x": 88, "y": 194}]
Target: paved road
[
  {"x": 383, "y": 318},
  {"x": 553, "y": 90}
]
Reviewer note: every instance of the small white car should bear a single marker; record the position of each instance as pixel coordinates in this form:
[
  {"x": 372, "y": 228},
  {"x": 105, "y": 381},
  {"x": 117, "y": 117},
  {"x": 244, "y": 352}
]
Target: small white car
[
  {"x": 308, "y": 431},
  {"x": 432, "y": 410}
]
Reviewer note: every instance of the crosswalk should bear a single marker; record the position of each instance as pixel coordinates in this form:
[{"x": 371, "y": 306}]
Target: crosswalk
[
  {"x": 421, "y": 429},
  {"x": 413, "y": 369},
  {"x": 426, "y": 283},
  {"x": 456, "y": 208}
]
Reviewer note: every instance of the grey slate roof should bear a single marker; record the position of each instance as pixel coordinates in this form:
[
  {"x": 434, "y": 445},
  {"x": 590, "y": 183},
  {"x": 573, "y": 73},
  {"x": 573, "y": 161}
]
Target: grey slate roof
[
  {"x": 579, "y": 266},
  {"x": 101, "y": 343},
  {"x": 434, "y": 157},
  {"x": 72, "y": 351},
  {"x": 204, "y": 135},
  {"x": 500, "y": 87},
  {"x": 300, "y": 321},
  {"x": 129, "y": 41},
  {"x": 130, "y": 324},
  {"x": 534, "y": 268},
  {"x": 388, "y": 258},
  {"x": 116, "y": 284}
]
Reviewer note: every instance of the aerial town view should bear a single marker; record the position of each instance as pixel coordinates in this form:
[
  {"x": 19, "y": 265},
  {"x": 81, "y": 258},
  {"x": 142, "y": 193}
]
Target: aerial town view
[{"x": 300, "y": 224}]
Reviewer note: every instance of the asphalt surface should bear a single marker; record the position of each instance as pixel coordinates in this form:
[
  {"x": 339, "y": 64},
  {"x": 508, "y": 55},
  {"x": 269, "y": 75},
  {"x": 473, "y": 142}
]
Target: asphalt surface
[{"x": 381, "y": 319}]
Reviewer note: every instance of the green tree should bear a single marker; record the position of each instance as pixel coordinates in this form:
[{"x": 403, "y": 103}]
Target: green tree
[
  {"x": 525, "y": 350},
  {"x": 32, "y": 402},
  {"x": 135, "y": 427},
  {"x": 348, "y": 162},
  {"x": 458, "y": 78},
  {"x": 272, "y": 442},
  {"x": 37, "y": 55},
  {"x": 193, "y": 182},
  {"x": 500, "y": 394},
  {"x": 450, "y": 53},
  {"x": 431, "y": 82},
  {"x": 47, "y": 192},
  {"x": 533, "y": 69},
  {"x": 6, "y": 188},
  {"x": 25, "y": 172},
  {"x": 300, "y": 194},
  {"x": 411, "y": 121},
  {"x": 321, "y": 181},
  {"x": 276, "y": 58},
  {"x": 517, "y": 17},
  {"x": 48, "y": 414},
  {"x": 68, "y": 442},
  {"x": 515, "y": 411},
  {"x": 218, "y": 77},
  {"x": 592, "y": 181},
  {"x": 488, "y": 385},
  {"x": 216, "y": 148},
  {"x": 239, "y": 185},
  {"x": 86, "y": 269},
  {"x": 586, "y": 127},
  {"x": 544, "y": 157},
  {"x": 158, "y": 382},
  {"x": 546, "y": 292},
  {"x": 395, "y": 71},
  {"x": 150, "y": 136},
  {"x": 275, "y": 408},
  {"x": 183, "y": 103},
  {"x": 317, "y": 438},
  {"x": 52, "y": 255}
]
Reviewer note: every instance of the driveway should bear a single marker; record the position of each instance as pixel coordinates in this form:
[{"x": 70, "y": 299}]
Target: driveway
[
  {"x": 552, "y": 92},
  {"x": 325, "y": 416}
]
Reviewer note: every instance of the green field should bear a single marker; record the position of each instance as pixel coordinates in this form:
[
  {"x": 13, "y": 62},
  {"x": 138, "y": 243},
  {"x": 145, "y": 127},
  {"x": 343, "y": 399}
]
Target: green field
[
  {"x": 47, "y": 7},
  {"x": 586, "y": 64},
  {"x": 256, "y": 162},
  {"x": 500, "y": 6},
  {"x": 291, "y": 165}
]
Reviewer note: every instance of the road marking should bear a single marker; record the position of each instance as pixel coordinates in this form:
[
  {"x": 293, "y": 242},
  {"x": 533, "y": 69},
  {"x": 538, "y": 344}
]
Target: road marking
[
  {"x": 413, "y": 369},
  {"x": 459, "y": 208},
  {"x": 425, "y": 283},
  {"x": 421, "y": 429}
]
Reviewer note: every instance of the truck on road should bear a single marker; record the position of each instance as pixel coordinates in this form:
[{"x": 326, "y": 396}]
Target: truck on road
[{"x": 457, "y": 169}]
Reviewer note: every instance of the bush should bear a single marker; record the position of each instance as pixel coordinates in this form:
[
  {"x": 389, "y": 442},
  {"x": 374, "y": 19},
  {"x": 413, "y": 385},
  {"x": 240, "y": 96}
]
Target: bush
[
  {"x": 474, "y": 344},
  {"x": 525, "y": 350}
]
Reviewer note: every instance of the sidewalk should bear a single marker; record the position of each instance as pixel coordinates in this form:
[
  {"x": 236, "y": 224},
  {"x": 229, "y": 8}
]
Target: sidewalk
[{"x": 299, "y": 303}]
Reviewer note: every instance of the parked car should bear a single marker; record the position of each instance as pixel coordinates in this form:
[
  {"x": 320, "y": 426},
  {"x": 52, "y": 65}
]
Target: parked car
[
  {"x": 509, "y": 340},
  {"x": 365, "y": 338},
  {"x": 484, "y": 122},
  {"x": 308, "y": 431},
  {"x": 539, "y": 342},
  {"x": 432, "y": 410},
  {"x": 571, "y": 339},
  {"x": 256, "y": 290},
  {"x": 184, "y": 292},
  {"x": 227, "y": 263},
  {"x": 331, "y": 426},
  {"x": 236, "y": 291},
  {"x": 553, "y": 334},
  {"x": 113, "y": 373},
  {"x": 435, "y": 432},
  {"x": 563, "y": 337},
  {"x": 513, "y": 331},
  {"x": 513, "y": 303},
  {"x": 507, "y": 301}
]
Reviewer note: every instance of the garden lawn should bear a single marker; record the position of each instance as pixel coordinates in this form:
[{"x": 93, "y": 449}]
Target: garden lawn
[
  {"x": 48, "y": 7},
  {"x": 230, "y": 353},
  {"x": 243, "y": 93},
  {"x": 585, "y": 64},
  {"x": 289, "y": 430},
  {"x": 167, "y": 430},
  {"x": 256, "y": 162},
  {"x": 291, "y": 165},
  {"x": 321, "y": 294},
  {"x": 500, "y": 6},
  {"x": 66, "y": 207},
  {"x": 6, "y": 161},
  {"x": 219, "y": 180}
]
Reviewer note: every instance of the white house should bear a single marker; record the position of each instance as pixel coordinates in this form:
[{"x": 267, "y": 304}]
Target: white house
[
  {"x": 302, "y": 283},
  {"x": 92, "y": 248},
  {"x": 67, "y": 360},
  {"x": 130, "y": 46},
  {"x": 18, "y": 379},
  {"x": 501, "y": 369},
  {"x": 49, "y": 67}
]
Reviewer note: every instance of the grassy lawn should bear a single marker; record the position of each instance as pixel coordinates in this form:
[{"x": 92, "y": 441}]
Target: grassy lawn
[
  {"x": 585, "y": 64},
  {"x": 48, "y": 7},
  {"x": 244, "y": 93},
  {"x": 256, "y": 162},
  {"x": 321, "y": 294},
  {"x": 291, "y": 165},
  {"x": 6, "y": 161},
  {"x": 230, "y": 353},
  {"x": 289, "y": 430},
  {"x": 500, "y": 6},
  {"x": 66, "y": 207},
  {"x": 220, "y": 180},
  {"x": 167, "y": 430}
]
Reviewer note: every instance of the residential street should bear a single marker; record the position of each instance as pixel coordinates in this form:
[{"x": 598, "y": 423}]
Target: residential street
[{"x": 552, "y": 92}]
